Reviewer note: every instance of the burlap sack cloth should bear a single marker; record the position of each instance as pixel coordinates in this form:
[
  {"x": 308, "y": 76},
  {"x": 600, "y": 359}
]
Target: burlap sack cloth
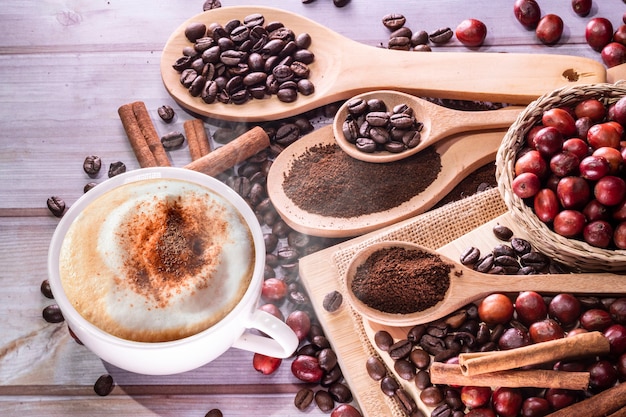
[{"x": 432, "y": 229}]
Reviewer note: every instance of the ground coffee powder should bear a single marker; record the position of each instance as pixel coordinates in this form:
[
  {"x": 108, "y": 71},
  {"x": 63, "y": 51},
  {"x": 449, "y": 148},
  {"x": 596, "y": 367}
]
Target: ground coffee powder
[
  {"x": 402, "y": 281},
  {"x": 325, "y": 180}
]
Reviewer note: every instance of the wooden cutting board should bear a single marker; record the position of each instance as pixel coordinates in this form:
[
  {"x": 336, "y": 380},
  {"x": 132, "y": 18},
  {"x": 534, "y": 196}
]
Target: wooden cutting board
[{"x": 350, "y": 335}]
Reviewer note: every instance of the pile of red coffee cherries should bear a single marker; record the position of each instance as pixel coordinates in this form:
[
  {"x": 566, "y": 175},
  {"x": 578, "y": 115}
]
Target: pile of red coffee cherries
[{"x": 571, "y": 171}]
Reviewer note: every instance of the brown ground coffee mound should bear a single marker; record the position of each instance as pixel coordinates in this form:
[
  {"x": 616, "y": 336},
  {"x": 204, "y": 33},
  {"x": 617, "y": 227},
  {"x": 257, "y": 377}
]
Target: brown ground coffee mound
[
  {"x": 326, "y": 181},
  {"x": 399, "y": 280}
]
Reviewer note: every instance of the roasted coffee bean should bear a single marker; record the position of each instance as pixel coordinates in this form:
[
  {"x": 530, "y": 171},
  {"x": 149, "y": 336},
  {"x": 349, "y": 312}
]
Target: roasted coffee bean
[
  {"x": 375, "y": 368},
  {"x": 484, "y": 264},
  {"x": 341, "y": 3},
  {"x": 332, "y": 301},
  {"x": 420, "y": 358},
  {"x": 405, "y": 369},
  {"x": 401, "y": 349},
  {"x": 383, "y": 340},
  {"x": 403, "y": 32},
  {"x": 340, "y": 392},
  {"x": 166, "y": 113},
  {"x": 422, "y": 48},
  {"x": 536, "y": 260},
  {"x": 194, "y": 31},
  {"x": 441, "y": 36},
  {"x": 287, "y": 134},
  {"x": 506, "y": 261},
  {"x": 446, "y": 354},
  {"x": 172, "y": 140},
  {"x": 389, "y": 386},
  {"x": 470, "y": 256},
  {"x": 394, "y": 147},
  {"x": 116, "y": 168},
  {"x": 89, "y": 186},
  {"x": 503, "y": 250},
  {"x": 331, "y": 377},
  {"x": 303, "y": 399},
  {"x": 431, "y": 344},
  {"x": 406, "y": 401},
  {"x": 437, "y": 329},
  {"x": 422, "y": 379},
  {"x": 45, "y": 289},
  {"x": 415, "y": 333},
  {"x": 52, "y": 314},
  {"x": 502, "y": 232},
  {"x": 399, "y": 43},
  {"x": 520, "y": 246},
  {"x": 442, "y": 410},
  {"x": 103, "y": 385},
  {"x": 271, "y": 241},
  {"x": 324, "y": 401},
  {"x": 92, "y": 165},
  {"x": 211, "y": 4},
  {"x": 431, "y": 396},
  {"x": 214, "y": 412},
  {"x": 366, "y": 145},
  {"x": 327, "y": 359},
  {"x": 394, "y": 21},
  {"x": 56, "y": 205},
  {"x": 419, "y": 38}
]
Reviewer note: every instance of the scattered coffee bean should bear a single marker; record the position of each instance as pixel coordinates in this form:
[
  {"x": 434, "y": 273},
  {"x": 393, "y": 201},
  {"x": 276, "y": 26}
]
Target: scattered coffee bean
[
  {"x": 104, "y": 385},
  {"x": 394, "y": 21},
  {"x": 389, "y": 386},
  {"x": 405, "y": 369},
  {"x": 303, "y": 398},
  {"x": 166, "y": 113},
  {"x": 341, "y": 3},
  {"x": 502, "y": 232},
  {"x": 375, "y": 368},
  {"x": 340, "y": 392},
  {"x": 470, "y": 256},
  {"x": 92, "y": 165},
  {"x": 324, "y": 401},
  {"x": 116, "y": 168},
  {"x": 408, "y": 403},
  {"x": 211, "y": 4},
  {"x": 46, "y": 290},
  {"x": 56, "y": 205},
  {"x": 172, "y": 140},
  {"x": 441, "y": 36},
  {"x": 52, "y": 314},
  {"x": 89, "y": 186},
  {"x": 327, "y": 359},
  {"x": 332, "y": 301},
  {"x": 401, "y": 349},
  {"x": 383, "y": 340}
]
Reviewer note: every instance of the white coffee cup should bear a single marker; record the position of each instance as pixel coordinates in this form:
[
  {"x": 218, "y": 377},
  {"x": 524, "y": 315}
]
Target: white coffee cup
[{"x": 170, "y": 357}]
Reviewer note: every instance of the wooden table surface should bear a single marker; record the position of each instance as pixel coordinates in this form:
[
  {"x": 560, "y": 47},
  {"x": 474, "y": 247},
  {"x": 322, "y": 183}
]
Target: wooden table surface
[{"x": 65, "y": 68}]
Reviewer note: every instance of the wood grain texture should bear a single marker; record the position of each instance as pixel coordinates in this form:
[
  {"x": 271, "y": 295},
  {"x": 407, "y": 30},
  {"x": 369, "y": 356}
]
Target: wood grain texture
[{"x": 65, "y": 68}]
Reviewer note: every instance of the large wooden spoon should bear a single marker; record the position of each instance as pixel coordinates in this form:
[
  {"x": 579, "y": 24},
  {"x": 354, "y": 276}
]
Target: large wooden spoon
[
  {"x": 468, "y": 285},
  {"x": 344, "y": 68},
  {"x": 438, "y": 123},
  {"x": 460, "y": 155}
]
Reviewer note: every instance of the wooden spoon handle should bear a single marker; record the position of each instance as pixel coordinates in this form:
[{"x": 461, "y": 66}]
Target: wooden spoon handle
[
  {"x": 447, "y": 122},
  {"x": 509, "y": 78}
]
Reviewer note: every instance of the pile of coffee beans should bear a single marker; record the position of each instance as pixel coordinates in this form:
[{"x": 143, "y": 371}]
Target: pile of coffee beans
[
  {"x": 245, "y": 59},
  {"x": 372, "y": 127}
]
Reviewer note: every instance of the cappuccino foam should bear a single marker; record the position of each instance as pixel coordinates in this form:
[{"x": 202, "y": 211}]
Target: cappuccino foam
[{"x": 157, "y": 260}]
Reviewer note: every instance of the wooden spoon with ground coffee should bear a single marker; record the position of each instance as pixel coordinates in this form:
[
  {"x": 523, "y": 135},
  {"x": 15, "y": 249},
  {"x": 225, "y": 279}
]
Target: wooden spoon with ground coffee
[
  {"x": 431, "y": 123},
  {"x": 403, "y": 284}
]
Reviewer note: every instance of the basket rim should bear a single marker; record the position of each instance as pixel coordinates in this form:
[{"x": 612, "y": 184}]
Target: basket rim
[{"x": 577, "y": 251}]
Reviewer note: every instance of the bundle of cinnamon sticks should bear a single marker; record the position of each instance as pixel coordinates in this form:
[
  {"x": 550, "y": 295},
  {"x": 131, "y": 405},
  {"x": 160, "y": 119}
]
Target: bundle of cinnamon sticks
[
  {"x": 502, "y": 368},
  {"x": 150, "y": 152}
]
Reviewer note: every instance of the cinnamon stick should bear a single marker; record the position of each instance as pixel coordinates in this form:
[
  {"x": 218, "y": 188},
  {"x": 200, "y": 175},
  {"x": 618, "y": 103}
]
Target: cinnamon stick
[
  {"x": 584, "y": 344},
  {"x": 227, "y": 156},
  {"x": 451, "y": 374},
  {"x": 619, "y": 413},
  {"x": 612, "y": 400},
  {"x": 197, "y": 138},
  {"x": 142, "y": 135}
]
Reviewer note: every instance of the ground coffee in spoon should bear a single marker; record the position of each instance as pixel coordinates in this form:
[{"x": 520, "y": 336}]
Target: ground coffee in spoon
[{"x": 325, "y": 180}]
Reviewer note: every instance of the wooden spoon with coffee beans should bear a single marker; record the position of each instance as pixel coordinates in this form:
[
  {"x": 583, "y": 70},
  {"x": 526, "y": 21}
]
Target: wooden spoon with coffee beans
[
  {"x": 437, "y": 122},
  {"x": 468, "y": 285},
  {"x": 344, "y": 68}
]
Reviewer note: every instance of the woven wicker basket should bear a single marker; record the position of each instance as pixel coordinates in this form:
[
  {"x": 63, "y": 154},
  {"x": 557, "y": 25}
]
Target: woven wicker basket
[{"x": 572, "y": 252}]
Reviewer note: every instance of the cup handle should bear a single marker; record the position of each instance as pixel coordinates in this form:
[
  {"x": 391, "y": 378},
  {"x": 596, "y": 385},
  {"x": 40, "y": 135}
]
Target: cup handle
[{"x": 281, "y": 343}]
